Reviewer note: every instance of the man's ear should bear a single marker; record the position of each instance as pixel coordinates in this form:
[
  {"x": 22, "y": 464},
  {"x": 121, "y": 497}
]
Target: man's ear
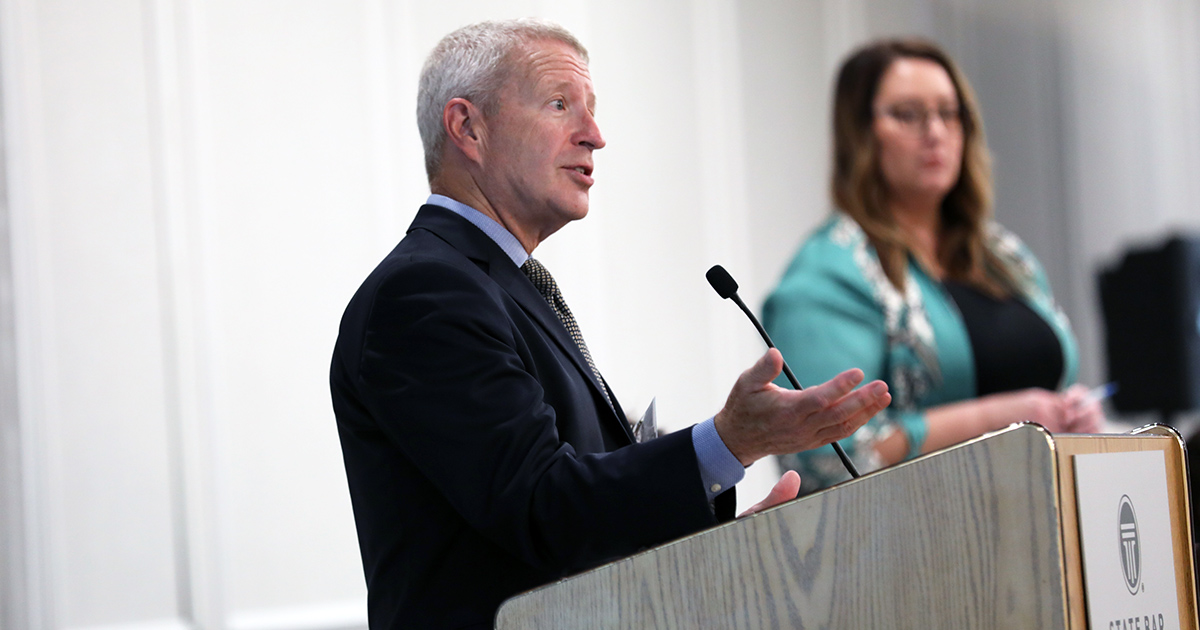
[{"x": 464, "y": 127}]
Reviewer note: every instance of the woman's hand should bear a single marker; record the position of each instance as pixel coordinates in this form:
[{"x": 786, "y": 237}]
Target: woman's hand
[
  {"x": 1071, "y": 411},
  {"x": 1035, "y": 404},
  {"x": 1084, "y": 413}
]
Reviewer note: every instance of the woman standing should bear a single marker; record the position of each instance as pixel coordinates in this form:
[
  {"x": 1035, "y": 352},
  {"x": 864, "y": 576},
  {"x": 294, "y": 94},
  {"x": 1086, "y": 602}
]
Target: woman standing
[{"x": 911, "y": 281}]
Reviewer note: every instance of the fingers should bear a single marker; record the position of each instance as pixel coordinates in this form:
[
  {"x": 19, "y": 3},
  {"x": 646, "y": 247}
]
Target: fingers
[
  {"x": 1082, "y": 413},
  {"x": 786, "y": 489},
  {"x": 853, "y": 411},
  {"x": 1074, "y": 395},
  {"x": 832, "y": 391},
  {"x": 1086, "y": 417},
  {"x": 1038, "y": 405},
  {"x": 866, "y": 400},
  {"x": 765, "y": 370},
  {"x": 759, "y": 419}
]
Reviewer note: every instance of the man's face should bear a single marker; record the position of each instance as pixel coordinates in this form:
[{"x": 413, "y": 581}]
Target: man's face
[{"x": 537, "y": 148}]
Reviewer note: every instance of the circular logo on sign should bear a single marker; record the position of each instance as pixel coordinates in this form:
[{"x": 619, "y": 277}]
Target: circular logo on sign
[{"x": 1131, "y": 546}]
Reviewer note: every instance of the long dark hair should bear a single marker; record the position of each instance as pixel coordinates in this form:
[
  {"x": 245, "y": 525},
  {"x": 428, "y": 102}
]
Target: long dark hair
[{"x": 858, "y": 187}]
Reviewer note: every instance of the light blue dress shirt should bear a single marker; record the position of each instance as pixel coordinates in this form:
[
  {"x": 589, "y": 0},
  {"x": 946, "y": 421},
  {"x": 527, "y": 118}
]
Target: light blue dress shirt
[{"x": 719, "y": 469}]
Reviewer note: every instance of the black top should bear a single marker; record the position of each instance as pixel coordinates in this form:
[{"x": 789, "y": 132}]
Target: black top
[{"x": 1014, "y": 347}]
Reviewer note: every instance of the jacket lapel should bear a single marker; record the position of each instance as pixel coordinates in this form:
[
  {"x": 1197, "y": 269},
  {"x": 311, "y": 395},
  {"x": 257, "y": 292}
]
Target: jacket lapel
[{"x": 476, "y": 245}]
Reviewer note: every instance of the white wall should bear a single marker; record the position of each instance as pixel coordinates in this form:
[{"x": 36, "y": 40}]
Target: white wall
[
  {"x": 194, "y": 190},
  {"x": 1131, "y": 101}
]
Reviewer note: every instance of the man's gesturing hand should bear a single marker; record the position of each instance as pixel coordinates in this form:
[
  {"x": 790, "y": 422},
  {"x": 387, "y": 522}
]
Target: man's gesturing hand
[{"x": 760, "y": 418}]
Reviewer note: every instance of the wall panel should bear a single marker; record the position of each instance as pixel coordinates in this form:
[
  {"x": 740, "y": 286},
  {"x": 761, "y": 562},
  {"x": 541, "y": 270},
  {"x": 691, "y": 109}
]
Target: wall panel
[
  {"x": 786, "y": 82},
  {"x": 13, "y": 602},
  {"x": 289, "y": 209},
  {"x": 98, "y": 380}
]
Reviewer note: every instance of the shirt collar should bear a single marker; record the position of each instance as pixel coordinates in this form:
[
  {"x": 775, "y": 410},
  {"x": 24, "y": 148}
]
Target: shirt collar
[{"x": 502, "y": 237}]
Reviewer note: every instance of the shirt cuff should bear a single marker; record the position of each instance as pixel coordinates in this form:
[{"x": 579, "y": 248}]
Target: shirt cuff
[{"x": 719, "y": 469}]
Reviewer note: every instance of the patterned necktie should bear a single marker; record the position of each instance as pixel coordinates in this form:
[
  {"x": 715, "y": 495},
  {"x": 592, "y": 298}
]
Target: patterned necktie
[{"x": 544, "y": 283}]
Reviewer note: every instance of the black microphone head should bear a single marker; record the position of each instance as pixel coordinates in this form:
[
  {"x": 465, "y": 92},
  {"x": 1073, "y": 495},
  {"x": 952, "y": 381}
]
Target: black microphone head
[{"x": 722, "y": 282}]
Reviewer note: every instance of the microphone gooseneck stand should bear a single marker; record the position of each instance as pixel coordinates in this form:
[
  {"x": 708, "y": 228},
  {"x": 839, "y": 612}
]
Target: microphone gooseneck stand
[{"x": 727, "y": 287}]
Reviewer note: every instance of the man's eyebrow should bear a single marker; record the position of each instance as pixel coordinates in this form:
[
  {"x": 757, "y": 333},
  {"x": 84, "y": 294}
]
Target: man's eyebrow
[{"x": 566, "y": 86}]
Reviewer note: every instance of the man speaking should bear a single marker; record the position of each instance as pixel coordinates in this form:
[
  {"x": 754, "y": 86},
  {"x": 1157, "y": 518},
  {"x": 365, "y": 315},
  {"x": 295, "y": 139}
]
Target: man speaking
[{"x": 485, "y": 453}]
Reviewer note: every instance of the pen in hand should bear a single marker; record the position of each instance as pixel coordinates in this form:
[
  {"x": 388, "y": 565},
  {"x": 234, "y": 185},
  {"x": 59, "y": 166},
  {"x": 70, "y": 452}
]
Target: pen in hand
[{"x": 1099, "y": 393}]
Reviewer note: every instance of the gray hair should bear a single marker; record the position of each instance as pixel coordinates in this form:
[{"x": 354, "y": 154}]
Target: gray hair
[{"x": 473, "y": 63}]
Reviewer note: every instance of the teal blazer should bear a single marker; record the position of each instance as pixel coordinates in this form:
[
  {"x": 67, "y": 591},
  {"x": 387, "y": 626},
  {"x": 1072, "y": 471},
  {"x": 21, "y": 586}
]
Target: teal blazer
[{"x": 835, "y": 309}]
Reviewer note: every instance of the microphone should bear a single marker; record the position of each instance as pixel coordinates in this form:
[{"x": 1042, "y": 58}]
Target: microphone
[{"x": 727, "y": 287}]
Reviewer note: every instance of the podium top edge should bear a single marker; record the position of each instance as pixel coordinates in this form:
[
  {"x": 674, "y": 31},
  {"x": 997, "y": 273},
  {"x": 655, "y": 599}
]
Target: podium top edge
[{"x": 1157, "y": 428}]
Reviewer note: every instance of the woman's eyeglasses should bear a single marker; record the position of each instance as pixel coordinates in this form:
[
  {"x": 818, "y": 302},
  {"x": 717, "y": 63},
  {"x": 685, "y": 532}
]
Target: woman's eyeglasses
[{"x": 916, "y": 118}]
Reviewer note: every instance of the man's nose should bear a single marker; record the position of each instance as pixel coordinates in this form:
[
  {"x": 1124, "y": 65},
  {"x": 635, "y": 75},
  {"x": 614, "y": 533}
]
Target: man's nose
[{"x": 590, "y": 136}]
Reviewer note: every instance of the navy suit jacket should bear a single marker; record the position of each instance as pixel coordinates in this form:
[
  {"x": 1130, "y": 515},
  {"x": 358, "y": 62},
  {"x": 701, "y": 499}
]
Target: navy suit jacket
[{"x": 482, "y": 458}]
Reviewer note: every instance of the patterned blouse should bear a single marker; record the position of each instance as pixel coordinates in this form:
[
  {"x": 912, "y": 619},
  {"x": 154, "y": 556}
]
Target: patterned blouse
[{"x": 835, "y": 309}]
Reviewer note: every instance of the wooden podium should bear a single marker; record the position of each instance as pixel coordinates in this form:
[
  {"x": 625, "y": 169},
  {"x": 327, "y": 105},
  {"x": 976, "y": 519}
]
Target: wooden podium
[{"x": 980, "y": 535}]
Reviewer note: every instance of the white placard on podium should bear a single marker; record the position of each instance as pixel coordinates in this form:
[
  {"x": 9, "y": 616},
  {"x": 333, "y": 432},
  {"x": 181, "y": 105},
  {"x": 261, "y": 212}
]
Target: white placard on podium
[{"x": 1125, "y": 531}]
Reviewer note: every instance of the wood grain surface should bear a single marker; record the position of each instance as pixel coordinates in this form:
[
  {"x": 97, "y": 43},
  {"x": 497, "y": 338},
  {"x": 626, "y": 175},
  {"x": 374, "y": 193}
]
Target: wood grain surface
[{"x": 967, "y": 537}]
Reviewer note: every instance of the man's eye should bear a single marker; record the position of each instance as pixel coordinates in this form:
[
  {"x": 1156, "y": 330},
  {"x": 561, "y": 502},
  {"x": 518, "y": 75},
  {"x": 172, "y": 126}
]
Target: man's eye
[{"x": 559, "y": 104}]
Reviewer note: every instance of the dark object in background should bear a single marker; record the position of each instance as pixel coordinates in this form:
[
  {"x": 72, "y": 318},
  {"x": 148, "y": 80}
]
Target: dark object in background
[{"x": 1151, "y": 305}]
